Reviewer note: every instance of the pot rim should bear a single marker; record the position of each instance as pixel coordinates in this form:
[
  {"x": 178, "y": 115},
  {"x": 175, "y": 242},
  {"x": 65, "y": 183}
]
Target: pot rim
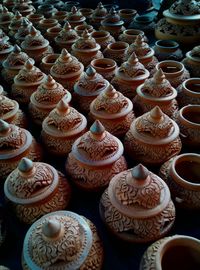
[
  {"x": 172, "y": 63},
  {"x": 191, "y": 80},
  {"x": 191, "y": 108},
  {"x": 94, "y": 63},
  {"x": 122, "y": 43},
  {"x": 174, "y": 45}
]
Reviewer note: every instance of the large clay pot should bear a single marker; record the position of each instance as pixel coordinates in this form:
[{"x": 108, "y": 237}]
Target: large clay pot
[
  {"x": 167, "y": 50},
  {"x": 192, "y": 61},
  {"x": 51, "y": 34},
  {"x": 103, "y": 38},
  {"x": 60, "y": 16},
  {"x": 70, "y": 4},
  {"x": 23, "y": 7},
  {"x": 116, "y": 51},
  {"x": 87, "y": 13},
  {"x": 106, "y": 67},
  {"x": 189, "y": 92},
  {"x": 144, "y": 23}
]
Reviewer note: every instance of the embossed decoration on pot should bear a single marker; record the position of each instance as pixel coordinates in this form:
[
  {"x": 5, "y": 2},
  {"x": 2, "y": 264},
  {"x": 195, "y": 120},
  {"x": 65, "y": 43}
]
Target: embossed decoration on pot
[
  {"x": 45, "y": 24},
  {"x": 172, "y": 252},
  {"x": 48, "y": 61},
  {"x": 116, "y": 51},
  {"x": 98, "y": 15},
  {"x": 26, "y": 82},
  {"x": 103, "y": 38},
  {"x": 174, "y": 71},
  {"x": 129, "y": 76},
  {"x": 95, "y": 158},
  {"x": 45, "y": 99},
  {"x": 127, "y": 15},
  {"x": 130, "y": 35},
  {"x": 67, "y": 70},
  {"x": 34, "y": 189},
  {"x": 105, "y": 66},
  {"x": 5, "y": 49},
  {"x": 35, "y": 18},
  {"x": 15, "y": 24},
  {"x": 75, "y": 17},
  {"x": 15, "y": 143},
  {"x": 13, "y": 64},
  {"x": 156, "y": 91},
  {"x": 167, "y": 50},
  {"x": 114, "y": 110},
  {"x": 46, "y": 9},
  {"x": 137, "y": 206},
  {"x": 23, "y": 7},
  {"x": 5, "y": 19},
  {"x": 192, "y": 61},
  {"x": 66, "y": 235},
  {"x": 153, "y": 138},
  {"x": 189, "y": 92},
  {"x": 189, "y": 122},
  {"x": 81, "y": 28},
  {"x": 61, "y": 128},
  {"x": 89, "y": 86},
  {"x": 86, "y": 49},
  {"x": 22, "y": 31}
]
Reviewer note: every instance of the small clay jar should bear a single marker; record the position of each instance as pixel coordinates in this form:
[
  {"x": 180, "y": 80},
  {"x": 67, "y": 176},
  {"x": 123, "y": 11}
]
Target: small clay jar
[
  {"x": 167, "y": 50},
  {"x": 136, "y": 200},
  {"x": 26, "y": 82},
  {"x": 15, "y": 24},
  {"x": 22, "y": 31},
  {"x": 5, "y": 19},
  {"x": 89, "y": 86},
  {"x": 189, "y": 122},
  {"x": 189, "y": 92},
  {"x": 87, "y": 13},
  {"x": 45, "y": 99},
  {"x": 153, "y": 138},
  {"x": 127, "y": 15},
  {"x": 98, "y": 15},
  {"x": 103, "y": 38},
  {"x": 129, "y": 36},
  {"x": 51, "y": 34},
  {"x": 60, "y": 16},
  {"x": 174, "y": 71},
  {"x": 34, "y": 189},
  {"x": 114, "y": 110},
  {"x": 95, "y": 158},
  {"x": 61, "y": 128},
  {"x": 116, "y": 51},
  {"x": 35, "y": 18},
  {"x": 81, "y": 28},
  {"x": 67, "y": 70},
  {"x": 48, "y": 61},
  {"x": 156, "y": 91},
  {"x": 11, "y": 113},
  {"x": 23, "y": 7},
  {"x": 106, "y": 67},
  {"x": 47, "y": 10},
  {"x": 85, "y": 49},
  {"x": 66, "y": 37},
  {"x": 5, "y": 49},
  {"x": 172, "y": 252},
  {"x": 192, "y": 61},
  {"x": 61, "y": 234},
  {"x": 13, "y": 64},
  {"x": 75, "y": 17},
  {"x": 129, "y": 76},
  {"x": 45, "y": 24},
  {"x": 15, "y": 143}
]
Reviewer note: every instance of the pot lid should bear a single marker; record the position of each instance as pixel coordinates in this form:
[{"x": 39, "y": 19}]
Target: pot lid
[
  {"x": 138, "y": 193},
  {"x": 64, "y": 121},
  {"x": 13, "y": 140},
  {"x": 111, "y": 104},
  {"x": 8, "y": 107},
  {"x": 90, "y": 83},
  {"x": 100, "y": 11},
  {"x": 5, "y": 46},
  {"x": 16, "y": 59},
  {"x": 24, "y": 29},
  {"x": 141, "y": 48},
  {"x": 154, "y": 127},
  {"x": 66, "y": 66},
  {"x": 86, "y": 43},
  {"x": 60, "y": 239},
  {"x": 16, "y": 21},
  {"x": 49, "y": 93},
  {"x": 97, "y": 147},
  {"x": 5, "y": 16},
  {"x": 75, "y": 16},
  {"x": 112, "y": 19},
  {"x": 67, "y": 34},
  {"x": 185, "y": 8},
  {"x": 30, "y": 182}
]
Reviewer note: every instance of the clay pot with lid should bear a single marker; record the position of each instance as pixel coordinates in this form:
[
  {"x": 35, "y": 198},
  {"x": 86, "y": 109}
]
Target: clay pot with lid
[
  {"x": 153, "y": 138},
  {"x": 189, "y": 92},
  {"x": 137, "y": 206},
  {"x": 156, "y": 91},
  {"x": 34, "y": 189},
  {"x": 23, "y": 7},
  {"x": 167, "y": 50},
  {"x": 16, "y": 143},
  {"x": 5, "y": 19},
  {"x": 116, "y": 51},
  {"x": 5, "y": 49},
  {"x": 105, "y": 66},
  {"x": 66, "y": 235},
  {"x": 45, "y": 99},
  {"x": 61, "y": 128},
  {"x": 192, "y": 61},
  {"x": 89, "y": 86},
  {"x": 129, "y": 76},
  {"x": 95, "y": 158},
  {"x": 26, "y": 82},
  {"x": 103, "y": 38},
  {"x": 86, "y": 49},
  {"x": 35, "y": 18},
  {"x": 15, "y": 24},
  {"x": 75, "y": 17},
  {"x": 45, "y": 24},
  {"x": 172, "y": 252},
  {"x": 174, "y": 71},
  {"x": 22, "y": 31},
  {"x": 130, "y": 35},
  {"x": 98, "y": 15},
  {"x": 48, "y": 61},
  {"x": 114, "y": 110},
  {"x": 67, "y": 70}
]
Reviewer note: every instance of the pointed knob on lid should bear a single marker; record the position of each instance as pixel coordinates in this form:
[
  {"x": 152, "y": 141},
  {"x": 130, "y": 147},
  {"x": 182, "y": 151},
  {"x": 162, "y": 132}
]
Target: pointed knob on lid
[
  {"x": 63, "y": 107},
  {"x": 51, "y": 228},
  {"x": 74, "y": 10},
  {"x": 29, "y": 64},
  {"x": 111, "y": 92},
  {"x": 139, "y": 40},
  {"x": 18, "y": 15},
  {"x": 133, "y": 59},
  {"x": 140, "y": 172},
  {"x": 97, "y": 130},
  {"x": 67, "y": 26},
  {"x": 33, "y": 31},
  {"x": 16, "y": 49},
  {"x": 25, "y": 165},
  {"x": 65, "y": 56},
  {"x": 159, "y": 76},
  {"x": 90, "y": 71},
  {"x": 4, "y": 127},
  {"x": 112, "y": 11},
  {"x": 100, "y": 5},
  {"x": 86, "y": 34},
  {"x": 156, "y": 114},
  {"x": 50, "y": 82},
  {"x": 25, "y": 22}
]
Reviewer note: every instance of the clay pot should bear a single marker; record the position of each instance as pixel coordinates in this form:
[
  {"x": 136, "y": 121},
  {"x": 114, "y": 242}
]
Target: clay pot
[
  {"x": 189, "y": 92},
  {"x": 89, "y": 86},
  {"x": 35, "y": 189},
  {"x": 130, "y": 35},
  {"x": 70, "y": 4},
  {"x": 48, "y": 61},
  {"x": 62, "y": 233},
  {"x": 156, "y": 91},
  {"x": 192, "y": 61},
  {"x": 137, "y": 206},
  {"x": 22, "y": 31},
  {"x": 15, "y": 24},
  {"x": 45, "y": 24},
  {"x": 15, "y": 144},
  {"x": 5, "y": 49},
  {"x": 144, "y": 23},
  {"x": 182, "y": 176},
  {"x": 47, "y": 10},
  {"x": 98, "y": 15},
  {"x": 167, "y": 50},
  {"x": 81, "y": 28},
  {"x": 116, "y": 51},
  {"x": 61, "y": 128},
  {"x": 87, "y": 13},
  {"x": 106, "y": 67},
  {"x": 189, "y": 122},
  {"x": 127, "y": 15},
  {"x": 23, "y": 7},
  {"x": 60, "y": 16},
  {"x": 75, "y": 17},
  {"x": 95, "y": 158},
  {"x": 56, "y": 3},
  {"x": 129, "y": 76},
  {"x": 103, "y": 38},
  {"x": 153, "y": 138},
  {"x": 35, "y": 18},
  {"x": 51, "y": 34},
  {"x": 5, "y": 19},
  {"x": 174, "y": 71},
  {"x": 160, "y": 255}
]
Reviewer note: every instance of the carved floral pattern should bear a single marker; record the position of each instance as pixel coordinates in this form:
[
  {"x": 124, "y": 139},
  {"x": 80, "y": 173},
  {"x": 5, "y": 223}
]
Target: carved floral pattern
[
  {"x": 70, "y": 66},
  {"x": 185, "y": 8},
  {"x": 6, "y": 105}
]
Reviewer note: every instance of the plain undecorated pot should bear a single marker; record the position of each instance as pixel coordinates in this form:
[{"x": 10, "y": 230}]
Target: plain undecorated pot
[{"x": 189, "y": 92}]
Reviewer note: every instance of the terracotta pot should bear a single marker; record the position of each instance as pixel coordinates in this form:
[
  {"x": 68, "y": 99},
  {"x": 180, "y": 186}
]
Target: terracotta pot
[
  {"x": 137, "y": 206},
  {"x": 15, "y": 24},
  {"x": 116, "y": 51},
  {"x": 5, "y": 49},
  {"x": 45, "y": 24},
  {"x": 22, "y": 31},
  {"x": 127, "y": 15},
  {"x": 47, "y": 10},
  {"x": 60, "y": 16},
  {"x": 81, "y": 28},
  {"x": 106, "y": 67},
  {"x": 103, "y": 38},
  {"x": 69, "y": 4},
  {"x": 87, "y": 13},
  {"x": 48, "y": 61},
  {"x": 144, "y": 23},
  {"x": 192, "y": 61},
  {"x": 130, "y": 35},
  {"x": 98, "y": 15},
  {"x": 35, "y": 189},
  {"x": 35, "y": 18},
  {"x": 75, "y": 17},
  {"x": 62, "y": 233},
  {"x": 56, "y": 3},
  {"x": 189, "y": 92},
  {"x": 23, "y": 7},
  {"x": 95, "y": 158},
  {"x": 167, "y": 50},
  {"x": 5, "y": 19}
]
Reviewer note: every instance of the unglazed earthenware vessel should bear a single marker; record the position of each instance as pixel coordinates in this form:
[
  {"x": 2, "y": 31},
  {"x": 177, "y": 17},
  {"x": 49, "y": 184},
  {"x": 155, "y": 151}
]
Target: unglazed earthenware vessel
[
  {"x": 60, "y": 16},
  {"x": 35, "y": 189},
  {"x": 5, "y": 49},
  {"x": 127, "y": 15},
  {"x": 189, "y": 92},
  {"x": 192, "y": 61},
  {"x": 45, "y": 24},
  {"x": 22, "y": 31},
  {"x": 130, "y": 35},
  {"x": 66, "y": 235},
  {"x": 87, "y": 13},
  {"x": 15, "y": 24},
  {"x": 95, "y": 158},
  {"x": 2, "y": 92},
  {"x": 106, "y": 67},
  {"x": 81, "y": 28},
  {"x": 98, "y": 15},
  {"x": 35, "y": 18},
  {"x": 167, "y": 50},
  {"x": 46, "y": 9},
  {"x": 23, "y": 7},
  {"x": 153, "y": 138},
  {"x": 116, "y": 51},
  {"x": 69, "y": 4},
  {"x": 103, "y": 38},
  {"x": 48, "y": 61},
  {"x": 5, "y": 19},
  {"x": 75, "y": 17},
  {"x": 137, "y": 206}
]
